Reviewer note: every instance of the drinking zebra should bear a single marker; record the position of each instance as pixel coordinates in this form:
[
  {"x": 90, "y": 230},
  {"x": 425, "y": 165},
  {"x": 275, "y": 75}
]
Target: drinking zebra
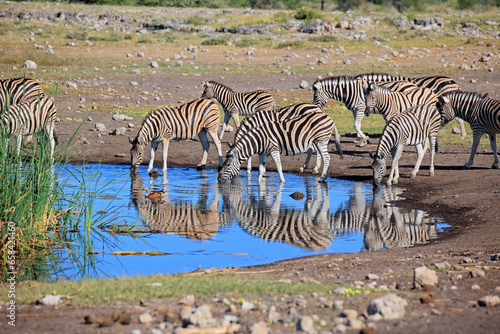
[
  {"x": 287, "y": 137},
  {"x": 236, "y": 103},
  {"x": 276, "y": 115},
  {"x": 481, "y": 112},
  {"x": 178, "y": 123},
  {"x": 17, "y": 91},
  {"x": 29, "y": 118},
  {"x": 389, "y": 103},
  {"x": 412, "y": 127}
]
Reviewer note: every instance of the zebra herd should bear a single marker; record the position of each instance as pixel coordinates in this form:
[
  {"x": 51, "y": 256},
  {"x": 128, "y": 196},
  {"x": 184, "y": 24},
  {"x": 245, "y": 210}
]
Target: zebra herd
[{"x": 414, "y": 109}]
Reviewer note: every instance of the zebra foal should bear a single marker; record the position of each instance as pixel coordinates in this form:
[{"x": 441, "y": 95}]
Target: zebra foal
[
  {"x": 177, "y": 123},
  {"x": 287, "y": 137},
  {"x": 236, "y": 103},
  {"x": 412, "y": 127},
  {"x": 29, "y": 118},
  {"x": 481, "y": 112}
]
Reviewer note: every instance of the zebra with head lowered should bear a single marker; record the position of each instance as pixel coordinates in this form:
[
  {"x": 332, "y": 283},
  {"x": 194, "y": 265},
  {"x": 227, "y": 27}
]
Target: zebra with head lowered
[
  {"x": 288, "y": 137},
  {"x": 481, "y": 112},
  {"x": 29, "y": 118},
  {"x": 276, "y": 115},
  {"x": 412, "y": 127},
  {"x": 236, "y": 103},
  {"x": 17, "y": 91},
  {"x": 177, "y": 123}
]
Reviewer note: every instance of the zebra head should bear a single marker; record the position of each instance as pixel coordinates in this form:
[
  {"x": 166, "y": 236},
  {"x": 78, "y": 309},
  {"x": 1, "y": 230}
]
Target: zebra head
[
  {"x": 369, "y": 91},
  {"x": 445, "y": 108},
  {"x": 208, "y": 90},
  {"x": 320, "y": 95},
  {"x": 379, "y": 170},
  {"x": 231, "y": 166},
  {"x": 136, "y": 153}
]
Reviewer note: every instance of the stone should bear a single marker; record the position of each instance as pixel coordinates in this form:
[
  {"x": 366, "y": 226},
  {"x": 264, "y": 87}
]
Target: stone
[
  {"x": 259, "y": 328},
  {"x": 495, "y": 257},
  {"x": 444, "y": 264},
  {"x": 340, "y": 290},
  {"x": 389, "y": 306},
  {"x": 489, "y": 301},
  {"x": 121, "y": 117},
  {"x": 145, "y": 318},
  {"x": 120, "y": 131},
  {"x": 372, "y": 277},
  {"x": 297, "y": 195},
  {"x": 475, "y": 287},
  {"x": 153, "y": 64},
  {"x": 349, "y": 314},
  {"x": 423, "y": 276},
  {"x": 247, "y": 306},
  {"x": 188, "y": 300},
  {"x": 427, "y": 298},
  {"x": 100, "y": 127},
  {"x": 49, "y": 300},
  {"x": 303, "y": 84},
  {"x": 474, "y": 273},
  {"x": 339, "y": 328},
  {"x": 30, "y": 65},
  {"x": 200, "y": 316},
  {"x": 305, "y": 324}
]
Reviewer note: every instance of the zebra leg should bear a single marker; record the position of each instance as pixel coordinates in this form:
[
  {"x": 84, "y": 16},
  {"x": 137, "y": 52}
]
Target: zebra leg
[
  {"x": 493, "y": 144},
  {"x": 306, "y": 163},
  {"x": 154, "y": 146},
  {"x": 218, "y": 145},
  {"x": 460, "y": 122},
  {"x": 227, "y": 117},
  {"x": 318, "y": 160},
  {"x": 277, "y": 161},
  {"x": 420, "y": 156},
  {"x": 433, "y": 140},
  {"x": 394, "y": 175},
  {"x": 476, "y": 137},
  {"x": 206, "y": 146},
  {"x": 165, "y": 154},
  {"x": 361, "y": 139},
  {"x": 19, "y": 142},
  {"x": 262, "y": 167},
  {"x": 323, "y": 150},
  {"x": 249, "y": 165}
]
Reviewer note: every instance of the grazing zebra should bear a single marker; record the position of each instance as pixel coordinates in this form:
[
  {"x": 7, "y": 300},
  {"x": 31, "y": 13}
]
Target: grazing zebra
[
  {"x": 29, "y": 118},
  {"x": 178, "y": 123},
  {"x": 288, "y": 137},
  {"x": 235, "y": 103},
  {"x": 439, "y": 84},
  {"x": 481, "y": 112},
  {"x": 412, "y": 127},
  {"x": 277, "y": 115},
  {"x": 17, "y": 91},
  {"x": 389, "y": 103}
]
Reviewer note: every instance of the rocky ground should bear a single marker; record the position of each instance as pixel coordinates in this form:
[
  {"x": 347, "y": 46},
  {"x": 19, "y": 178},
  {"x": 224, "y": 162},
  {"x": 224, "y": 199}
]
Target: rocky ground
[{"x": 457, "y": 293}]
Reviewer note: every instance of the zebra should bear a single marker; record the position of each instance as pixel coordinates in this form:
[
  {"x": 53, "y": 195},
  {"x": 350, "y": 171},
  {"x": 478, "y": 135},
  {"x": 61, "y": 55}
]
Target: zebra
[
  {"x": 276, "y": 115},
  {"x": 412, "y": 127},
  {"x": 390, "y": 103},
  {"x": 288, "y": 137},
  {"x": 439, "y": 84},
  {"x": 481, "y": 112},
  {"x": 178, "y": 123},
  {"x": 236, "y": 103},
  {"x": 17, "y": 91},
  {"x": 29, "y": 118}
]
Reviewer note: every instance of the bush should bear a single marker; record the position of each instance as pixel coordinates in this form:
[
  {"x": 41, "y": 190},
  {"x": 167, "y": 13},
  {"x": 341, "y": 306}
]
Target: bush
[{"x": 307, "y": 14}]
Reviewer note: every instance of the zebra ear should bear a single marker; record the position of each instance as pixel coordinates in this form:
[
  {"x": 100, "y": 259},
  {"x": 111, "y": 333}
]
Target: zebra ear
[
  {"x": 316, "y": 86},
  {"x": 364, "y": 86},
  {"x": 131, "y": 141}
]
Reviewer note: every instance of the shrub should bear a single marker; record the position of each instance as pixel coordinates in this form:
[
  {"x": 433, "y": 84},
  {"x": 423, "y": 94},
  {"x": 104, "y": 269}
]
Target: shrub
[{"x": 307, "y": 14}]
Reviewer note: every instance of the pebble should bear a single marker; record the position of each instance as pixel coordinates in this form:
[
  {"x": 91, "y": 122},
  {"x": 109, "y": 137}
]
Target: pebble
[
  {"x": 49, "y": 300},
  {"x": 305, "y": 324},
  {"x": 30, "y": 65},
  {"x": 444, "y": 264},
  {"x": 259, "y": 328},
  {"x": 475, "y": 287},
  {"x": 339, "y": 328},
  {"x": 476, "y": 273},
  {"x": 349, "y": 314},
  {"x": 489, "y": 301},
  {"x": 424, "y": 276},
  {"x": 372, "y": 277},
  {"x": 389, "y": 306},
  {"x": 145, "y": 318}
]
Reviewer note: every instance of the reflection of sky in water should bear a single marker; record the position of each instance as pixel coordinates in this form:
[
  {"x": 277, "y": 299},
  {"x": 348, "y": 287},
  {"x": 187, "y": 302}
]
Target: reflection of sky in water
[{"x": 231, "y": 242}]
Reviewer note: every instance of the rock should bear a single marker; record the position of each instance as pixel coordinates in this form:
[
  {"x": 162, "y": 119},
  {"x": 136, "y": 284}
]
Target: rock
[
  {"x": 145, "y": 318},
  {"x": 467, "y": 260},
  {"x": 303, "y": 84},
  {"x": 389, "y": 306},
  {"x": 120, "y": 131},
  {"x": 427, "y": 298},
  {"x": 372, "y": 277},
  {"x": 401, "y": 22},
  {"x": 259, "y": 328},
  {"x": 475, "y": 287},
  {"x": 135, "y": 331},
  {"x": 153, "y": 64},
  {"x": 100, "y": 127},
  {"x": 306, "y": 324},
  {"x": 200, "y": 316},
  {"x": 349, "y": 314},
  {"x": 339, "y": 328},
  {"x": 72, "y": 85},
  {"x": 247, "y": 306},
  {"x": 49, "y": 300},
  {"x": 340, "y": 290},
  {"x": 489, "y": 301},
  {"x": 297, "y": 195},
  {"x": 495, "y": 257},
  {"x": 444, "y": 264},
  {"x": 476, "y": 273},
  {"x": 30, "y": 65},
  {"x": 338, "y": 305},
  {"x": 121, "y": 117},
  {"x": 424, "y": 276}
]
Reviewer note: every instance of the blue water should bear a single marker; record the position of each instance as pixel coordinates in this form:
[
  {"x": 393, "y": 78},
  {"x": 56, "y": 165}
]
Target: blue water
[{"x": 202, "y": 224}]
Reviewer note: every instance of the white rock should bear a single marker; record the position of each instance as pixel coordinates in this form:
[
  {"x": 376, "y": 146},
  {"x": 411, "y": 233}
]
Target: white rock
[
  {"x": 247, "y": 306},
  {"x": 372, "y": 277},
  {"x": 303, "y": 84},
  {"x": 305, "y": 324},
  {"x": 188, "y": 300},
  {"x": 423, "y": 276},
  {"x": 259, "y": 328},
  {"x": 49, "y": 300},
  {"x": 100, "y": 127},
  {"x": 30, "y": 65},
  {"x": 489, "y": 301},
  {"x": 349, "y": 314},
  {"x": 389, "y": 306},
  {"x": 145, "y": 318}
]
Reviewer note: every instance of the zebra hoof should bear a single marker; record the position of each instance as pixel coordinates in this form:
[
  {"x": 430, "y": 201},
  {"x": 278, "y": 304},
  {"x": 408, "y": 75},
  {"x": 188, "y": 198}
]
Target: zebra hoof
[
  {"x": 322, "y": 180},
  {"x": 361, "y": 142},
  {"x": 200, "y": 167},
  {"x": 467, "y": 166},
  {"x": 431, "y": 173},
  {"x": 315, "y": 171},
  {"x": 494, "y": 166},
  {"x": 301, "y": 170},
  {"x": 412, "y": 176}
]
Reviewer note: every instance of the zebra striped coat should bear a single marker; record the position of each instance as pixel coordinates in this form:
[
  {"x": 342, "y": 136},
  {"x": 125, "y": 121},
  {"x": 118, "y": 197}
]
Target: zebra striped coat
[
  {"x": 29, "y": 118},
  {"x": 277, "y": 115},
  {"x": 236, "y": 103},
  {"x": 177, "y": 123},
  {"x": 288, "y": 137},
  {"x": 481, "y": 112},
  {"x": 412, "y": 127},
  {"x": 17, "y": 91},
  {"x": 389, "y": 102}
]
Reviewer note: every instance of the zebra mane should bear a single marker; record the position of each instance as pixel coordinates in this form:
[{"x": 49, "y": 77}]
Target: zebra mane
[
  {"x": 377, "y": 88},
  {"x": 221, "y": 84},
  {"x": 376, "y": 77},
  {"x": 333, "y": 79},
  {"x": 468, "y": 95}
]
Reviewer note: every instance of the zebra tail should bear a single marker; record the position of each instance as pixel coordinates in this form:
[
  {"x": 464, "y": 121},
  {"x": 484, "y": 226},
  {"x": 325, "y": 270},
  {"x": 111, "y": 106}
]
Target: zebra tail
[{"x": 337, "y": 143}]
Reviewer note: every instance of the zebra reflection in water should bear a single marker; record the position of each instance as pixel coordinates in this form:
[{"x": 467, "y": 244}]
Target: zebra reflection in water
[
  {"x": 307, "y": 228},
  {"x": 198, "y": 220}
]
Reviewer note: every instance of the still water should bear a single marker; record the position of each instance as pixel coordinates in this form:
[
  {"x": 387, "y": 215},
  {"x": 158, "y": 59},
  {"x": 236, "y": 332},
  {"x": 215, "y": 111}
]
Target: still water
[{"x": 197, "y": 223}]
